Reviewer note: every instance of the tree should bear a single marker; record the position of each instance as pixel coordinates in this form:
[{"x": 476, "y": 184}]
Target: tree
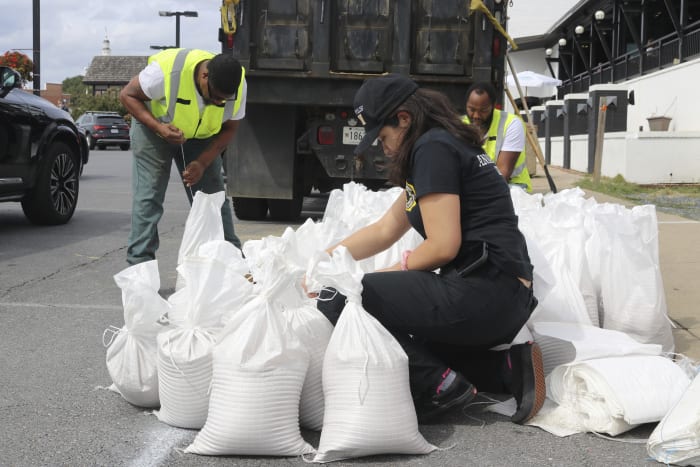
[
  {"x": 82, "y": 100},
  {"x": 19, "y": 62}
]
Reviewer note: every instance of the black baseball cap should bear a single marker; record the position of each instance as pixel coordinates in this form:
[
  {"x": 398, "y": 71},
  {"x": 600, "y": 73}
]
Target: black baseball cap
[{"x": 376, "y": 100}]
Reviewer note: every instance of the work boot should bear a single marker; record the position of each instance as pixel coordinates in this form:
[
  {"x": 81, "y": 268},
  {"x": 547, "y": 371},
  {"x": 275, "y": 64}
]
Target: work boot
[
  {"x": 527, "y": 380},
  {"x": 453, "y": 391}
]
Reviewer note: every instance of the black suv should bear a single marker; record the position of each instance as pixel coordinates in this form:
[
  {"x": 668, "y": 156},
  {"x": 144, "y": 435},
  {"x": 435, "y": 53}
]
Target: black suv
[
  {"x": 104, "y": 129},
  {"x": 41, "y": 153}
]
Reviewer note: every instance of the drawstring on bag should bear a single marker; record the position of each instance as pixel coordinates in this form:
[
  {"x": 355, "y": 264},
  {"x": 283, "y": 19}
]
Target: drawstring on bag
[{"x": 114, "y": 331}]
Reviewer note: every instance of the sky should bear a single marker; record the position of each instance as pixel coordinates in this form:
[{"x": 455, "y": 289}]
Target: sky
[{"x": 72, "y": 31}]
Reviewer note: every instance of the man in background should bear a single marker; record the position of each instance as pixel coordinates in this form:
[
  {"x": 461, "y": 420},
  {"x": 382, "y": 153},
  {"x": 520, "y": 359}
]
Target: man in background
[{"x": 504, "y": 134}]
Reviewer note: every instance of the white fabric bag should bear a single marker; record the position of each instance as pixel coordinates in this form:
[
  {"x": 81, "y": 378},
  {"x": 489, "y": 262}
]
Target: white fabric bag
[
  {"x": 562, "y": 343},
  {"x": 632, "y": 289},
  {"x": 203, "y": 224},
  {"x": 368, "y": 405},
  {"x": 213, "y": 293},
  {"x": 613, "y": 395},
  {"x": 132, "y": 352},
  {"x": 258, "y": 374},
  {"x": 314, "y": 330},
  {"x": 676, "y": 439}
]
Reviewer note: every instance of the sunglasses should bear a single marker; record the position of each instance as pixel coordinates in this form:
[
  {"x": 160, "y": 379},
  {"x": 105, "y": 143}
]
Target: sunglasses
[{"x": 215, "y": 98}]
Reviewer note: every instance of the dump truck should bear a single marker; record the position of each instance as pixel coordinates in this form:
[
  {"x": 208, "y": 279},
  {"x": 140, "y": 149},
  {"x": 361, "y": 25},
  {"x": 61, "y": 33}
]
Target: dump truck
[{"x": 305, "y": 59}]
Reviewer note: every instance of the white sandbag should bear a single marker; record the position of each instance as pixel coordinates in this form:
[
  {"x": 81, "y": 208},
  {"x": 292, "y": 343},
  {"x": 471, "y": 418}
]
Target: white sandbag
[
  {"x": 314, "y": 330},
  {"x": 676, "y": 439},
  {"x": 632, "y": 289},
  {"x": 184, "y": 373},
  {"x": 613, "y": 395},
  {"x": 203, "y": 224},
  {"x": 562, "y": 343},
  {"x": 259, "y": 371},
  {"x": 213, "y": 293},
  {"x": 557, "y": 231},
  {"x": 368, "y": 405},
  {"x": 132, "y": 352}
]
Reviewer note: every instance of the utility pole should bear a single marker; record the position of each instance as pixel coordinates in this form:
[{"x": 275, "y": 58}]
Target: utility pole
[{"x": 36, "y": 55}]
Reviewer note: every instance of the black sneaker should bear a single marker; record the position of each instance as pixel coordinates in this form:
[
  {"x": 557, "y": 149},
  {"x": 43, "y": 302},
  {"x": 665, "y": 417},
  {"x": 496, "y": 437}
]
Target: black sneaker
[
  {"x": 527, "y": 384},
  {"x": 454, "y": 391}
]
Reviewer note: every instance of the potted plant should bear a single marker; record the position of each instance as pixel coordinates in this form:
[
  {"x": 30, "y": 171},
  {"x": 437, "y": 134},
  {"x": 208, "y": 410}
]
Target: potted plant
[{"x": 660, "y": 122}]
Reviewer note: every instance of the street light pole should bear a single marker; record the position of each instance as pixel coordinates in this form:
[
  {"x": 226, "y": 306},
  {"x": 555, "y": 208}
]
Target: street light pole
[{"x": 177, "y": 14}]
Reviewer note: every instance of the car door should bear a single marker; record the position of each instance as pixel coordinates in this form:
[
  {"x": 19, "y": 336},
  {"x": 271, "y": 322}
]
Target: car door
[{"x": 20, "y": 126}]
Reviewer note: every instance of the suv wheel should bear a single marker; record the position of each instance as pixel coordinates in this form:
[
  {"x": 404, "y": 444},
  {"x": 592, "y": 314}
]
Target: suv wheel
[
  {"x": 124, "y": 147},
  {"x": 90, "y": 140},
  {"x": 55, "y": 195}
]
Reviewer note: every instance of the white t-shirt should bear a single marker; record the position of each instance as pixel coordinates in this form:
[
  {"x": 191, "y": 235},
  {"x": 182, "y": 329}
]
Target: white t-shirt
[
  {"x": 514, "y": 139},
  {"x": 152, "y": 82}
]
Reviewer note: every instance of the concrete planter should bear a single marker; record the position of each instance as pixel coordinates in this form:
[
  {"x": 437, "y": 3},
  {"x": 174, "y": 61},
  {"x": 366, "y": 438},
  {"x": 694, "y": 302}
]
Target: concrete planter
[{"x": 659, "y": 123}]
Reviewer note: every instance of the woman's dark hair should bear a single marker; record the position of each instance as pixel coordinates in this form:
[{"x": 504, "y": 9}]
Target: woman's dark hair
[{"x": 428, "y": 109}]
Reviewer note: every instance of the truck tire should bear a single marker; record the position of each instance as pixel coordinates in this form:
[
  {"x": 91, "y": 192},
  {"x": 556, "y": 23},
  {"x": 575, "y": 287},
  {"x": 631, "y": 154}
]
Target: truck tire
[
  {"x": 250, "y": 209},
  {"x": 285, "y": 209},
  {"x": 55, "y": 194}
]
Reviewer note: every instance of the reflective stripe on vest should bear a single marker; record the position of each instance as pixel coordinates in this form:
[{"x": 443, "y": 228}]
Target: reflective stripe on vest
[
  {"x": 494, "y": 143},
  {"x": 178, "y": 67}
]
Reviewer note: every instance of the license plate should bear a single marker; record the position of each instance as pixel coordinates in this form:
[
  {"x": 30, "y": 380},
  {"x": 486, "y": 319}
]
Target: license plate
[
  {"x": 114, "y": 130},
  {"x": 353, "y": 134}
]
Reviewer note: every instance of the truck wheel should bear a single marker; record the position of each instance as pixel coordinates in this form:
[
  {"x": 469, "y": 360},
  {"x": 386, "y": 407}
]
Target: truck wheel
[
  {"x": 55, "y": 195},
  {"x": 250, "y": 209},
  {"x": 285, "y": 209}
]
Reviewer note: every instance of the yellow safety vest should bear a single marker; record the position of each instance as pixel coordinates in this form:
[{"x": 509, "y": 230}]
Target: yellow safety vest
[
  {"x": 494, "y": 143},
  {"x": 180, "y": 107}
]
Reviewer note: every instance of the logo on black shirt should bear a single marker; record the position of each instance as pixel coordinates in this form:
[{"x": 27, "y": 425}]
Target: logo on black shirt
[
  {"x": 484, "y": 160},
  {"x": 410, "y": 197}
]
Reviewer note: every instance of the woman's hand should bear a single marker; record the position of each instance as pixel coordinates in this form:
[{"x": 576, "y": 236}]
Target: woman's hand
[{"x": 306, "y": 290}]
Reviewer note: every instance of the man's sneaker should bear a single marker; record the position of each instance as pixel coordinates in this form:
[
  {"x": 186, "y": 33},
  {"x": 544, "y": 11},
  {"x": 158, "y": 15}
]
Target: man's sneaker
[
  {"x": 527, "y": 384},
  {"x": 453, "y": 391}
]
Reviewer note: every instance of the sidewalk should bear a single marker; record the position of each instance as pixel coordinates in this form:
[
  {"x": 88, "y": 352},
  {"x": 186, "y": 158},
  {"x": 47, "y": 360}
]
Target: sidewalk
[{"x": 679, "y": 257}]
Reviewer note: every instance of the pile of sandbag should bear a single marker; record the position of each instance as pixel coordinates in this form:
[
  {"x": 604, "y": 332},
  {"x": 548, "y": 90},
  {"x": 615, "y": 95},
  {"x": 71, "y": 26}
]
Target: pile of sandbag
[
  {"x": 249, "y": 363},
  {"x": 602, "y": 322}
]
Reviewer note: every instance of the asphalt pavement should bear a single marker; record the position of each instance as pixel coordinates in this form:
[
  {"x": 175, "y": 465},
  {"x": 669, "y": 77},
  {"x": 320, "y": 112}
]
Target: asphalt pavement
[{"x": 57, "y": 296}]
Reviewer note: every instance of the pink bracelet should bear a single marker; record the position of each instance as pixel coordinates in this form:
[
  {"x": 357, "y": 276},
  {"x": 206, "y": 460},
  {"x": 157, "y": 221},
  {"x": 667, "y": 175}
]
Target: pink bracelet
[{"x": 404, "y": 260}]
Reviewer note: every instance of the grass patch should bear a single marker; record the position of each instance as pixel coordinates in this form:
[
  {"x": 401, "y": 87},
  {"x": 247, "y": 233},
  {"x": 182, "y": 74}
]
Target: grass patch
[
  {"x": 621, "y": 188},
  {"x": 680, "y": 200}
]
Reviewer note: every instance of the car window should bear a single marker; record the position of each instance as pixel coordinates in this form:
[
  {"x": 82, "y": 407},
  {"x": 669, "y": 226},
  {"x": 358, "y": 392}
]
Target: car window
[{"x": 110, "y": 120}]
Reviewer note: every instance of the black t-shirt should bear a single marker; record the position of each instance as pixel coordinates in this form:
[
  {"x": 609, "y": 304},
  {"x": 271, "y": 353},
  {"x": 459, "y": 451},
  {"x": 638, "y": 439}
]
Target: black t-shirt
[{"x": 441, "y": 163}]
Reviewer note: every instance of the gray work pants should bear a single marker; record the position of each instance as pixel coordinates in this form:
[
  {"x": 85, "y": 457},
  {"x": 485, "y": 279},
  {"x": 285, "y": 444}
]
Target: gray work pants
[{"x": 152, "y": 161}]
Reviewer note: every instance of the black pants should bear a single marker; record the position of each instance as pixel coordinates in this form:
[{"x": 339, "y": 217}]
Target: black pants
[{"x": 445, "y": 320}]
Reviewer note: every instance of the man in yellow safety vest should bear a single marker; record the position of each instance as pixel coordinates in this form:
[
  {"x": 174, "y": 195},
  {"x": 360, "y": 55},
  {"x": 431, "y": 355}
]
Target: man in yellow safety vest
[
  {"x": 186, "y": 106},
  {"x": 504, "y": 134}
]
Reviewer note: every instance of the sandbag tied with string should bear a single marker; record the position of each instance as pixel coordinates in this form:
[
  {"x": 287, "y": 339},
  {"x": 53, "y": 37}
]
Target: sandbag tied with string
[
  {"x": 203, "y": 224},
  {"x": 131, "y": 350},
  {"x": 259, "y": 366},
  {"x": 368, "y": 405},
  {"x": 213, "y": 292}
]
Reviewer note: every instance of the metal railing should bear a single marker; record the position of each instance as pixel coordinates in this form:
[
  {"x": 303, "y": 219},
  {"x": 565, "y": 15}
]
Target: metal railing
[{"x": 659, "y": 54}]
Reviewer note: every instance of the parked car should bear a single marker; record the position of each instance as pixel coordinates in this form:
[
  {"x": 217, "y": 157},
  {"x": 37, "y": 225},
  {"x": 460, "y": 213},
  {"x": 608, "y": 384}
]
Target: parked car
[
  {"x": 41, "y": 154},
  {"x": 104, "y": 129}
]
